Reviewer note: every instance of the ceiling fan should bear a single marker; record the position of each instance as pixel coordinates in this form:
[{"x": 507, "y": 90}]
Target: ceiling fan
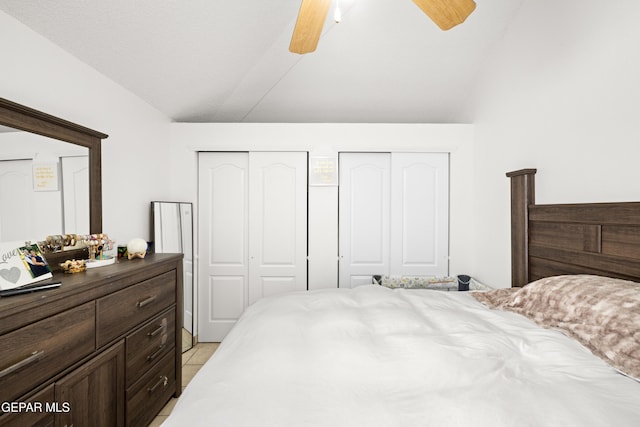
[{"x": 445, "y": 13}]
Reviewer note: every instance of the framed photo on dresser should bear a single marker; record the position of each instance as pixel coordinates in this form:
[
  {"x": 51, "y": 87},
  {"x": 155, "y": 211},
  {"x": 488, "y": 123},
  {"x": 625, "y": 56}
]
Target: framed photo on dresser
[{"x": 21, "y": 264}]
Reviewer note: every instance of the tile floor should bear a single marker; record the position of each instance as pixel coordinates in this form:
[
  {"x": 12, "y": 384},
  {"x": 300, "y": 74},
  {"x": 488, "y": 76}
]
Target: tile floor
[{"x": 192, "y": 361}]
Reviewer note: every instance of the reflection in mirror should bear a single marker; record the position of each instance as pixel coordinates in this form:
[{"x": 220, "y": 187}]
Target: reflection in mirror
[
  {"x": 173, "y": 233},
  {"x": 44, "y": 186}
]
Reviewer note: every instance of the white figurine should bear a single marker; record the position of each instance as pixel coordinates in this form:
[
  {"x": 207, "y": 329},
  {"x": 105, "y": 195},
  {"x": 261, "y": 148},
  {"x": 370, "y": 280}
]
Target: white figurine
[{"x": 136, "y": 248}]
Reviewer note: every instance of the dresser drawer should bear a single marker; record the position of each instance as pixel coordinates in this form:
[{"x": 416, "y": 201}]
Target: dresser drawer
[
  {"x": 149, "y": 344},
  {"x": 123, "y": 310},
  {"x": 33, "y": 354},
  {"x": 149, "y": 395},
  {"x": 35, "y": 415}
]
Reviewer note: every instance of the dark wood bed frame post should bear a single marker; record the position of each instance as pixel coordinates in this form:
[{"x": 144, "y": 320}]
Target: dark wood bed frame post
[{"x": 522, "y": 195}]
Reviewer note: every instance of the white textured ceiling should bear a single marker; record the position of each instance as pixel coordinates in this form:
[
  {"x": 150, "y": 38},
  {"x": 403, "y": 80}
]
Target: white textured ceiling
[{"x": 228, "y": 60}]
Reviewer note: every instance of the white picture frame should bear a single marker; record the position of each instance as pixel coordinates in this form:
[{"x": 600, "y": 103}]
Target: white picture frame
[{"x": 21, "y": 264}]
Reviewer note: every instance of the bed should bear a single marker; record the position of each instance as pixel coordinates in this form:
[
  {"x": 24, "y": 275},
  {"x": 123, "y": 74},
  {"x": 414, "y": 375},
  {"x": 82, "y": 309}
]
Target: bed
[{"x": 564, "y": 350}]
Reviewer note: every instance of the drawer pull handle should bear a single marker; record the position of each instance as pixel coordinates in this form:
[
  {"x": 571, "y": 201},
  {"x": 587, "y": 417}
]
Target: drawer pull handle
[
  {"x": 156, "y": 353},
  {"x": 163, "y": 381},
  {"x": 34, "y": 357},
  {"x": 156, "y": 331},
  {"x": 146, "y": 301}
]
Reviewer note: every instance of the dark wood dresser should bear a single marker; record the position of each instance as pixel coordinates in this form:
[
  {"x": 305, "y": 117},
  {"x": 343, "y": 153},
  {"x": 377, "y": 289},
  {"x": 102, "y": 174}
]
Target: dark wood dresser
[{"x": 101, "y": 350}]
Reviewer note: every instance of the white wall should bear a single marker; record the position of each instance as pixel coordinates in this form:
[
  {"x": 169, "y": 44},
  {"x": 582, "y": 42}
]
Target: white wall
[
  {"x": 561, "y": 93},
  {"x": 322, "y": 139},
  {"x": 38, "y": 74}
]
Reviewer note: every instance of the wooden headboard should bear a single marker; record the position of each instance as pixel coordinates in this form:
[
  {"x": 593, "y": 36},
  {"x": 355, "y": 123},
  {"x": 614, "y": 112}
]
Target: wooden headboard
[{"x": 586, "y": 238}]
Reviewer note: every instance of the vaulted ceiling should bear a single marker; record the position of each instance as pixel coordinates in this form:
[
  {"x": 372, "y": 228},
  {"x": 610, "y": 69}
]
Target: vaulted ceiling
[{"x": 228, "y": 60}]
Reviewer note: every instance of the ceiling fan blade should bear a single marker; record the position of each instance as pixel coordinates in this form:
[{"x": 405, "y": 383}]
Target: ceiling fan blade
[
  {"x": 447, "y": 13},
  {"x": 309, "y": 25}
]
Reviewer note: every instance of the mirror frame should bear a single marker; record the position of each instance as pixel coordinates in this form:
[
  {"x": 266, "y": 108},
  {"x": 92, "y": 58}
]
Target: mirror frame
[{"x": 27, "y": 119}]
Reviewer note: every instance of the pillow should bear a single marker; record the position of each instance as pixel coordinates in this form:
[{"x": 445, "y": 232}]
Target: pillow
[{"x": 600, "y": 312}]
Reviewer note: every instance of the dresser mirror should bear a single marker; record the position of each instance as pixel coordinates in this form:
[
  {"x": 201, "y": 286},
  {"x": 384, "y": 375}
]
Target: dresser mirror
[
  {"x": 42, "y": 175},
  {"x": 172, "y": 231},
  {"x": 62, "y": 139}
]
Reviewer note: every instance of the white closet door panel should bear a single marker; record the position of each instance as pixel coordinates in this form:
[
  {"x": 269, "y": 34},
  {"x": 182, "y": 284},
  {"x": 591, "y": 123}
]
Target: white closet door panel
[
  {"x": 276, "y": 190},
  {"x": 228, "y": 237},
  {"x": 221, "y": 304},
  {"x": 363, "y": 217},
  {"x": 275, "y": 285},
  {"x": 227, "y": 298},
  {"x": 419, "y": 214},
  {"x": 223, "y": 261},
  {"x": 278, "y": 223}
]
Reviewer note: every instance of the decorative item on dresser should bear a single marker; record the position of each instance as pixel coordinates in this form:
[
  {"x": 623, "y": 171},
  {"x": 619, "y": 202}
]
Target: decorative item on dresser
[{"x": 98, "y": 351}]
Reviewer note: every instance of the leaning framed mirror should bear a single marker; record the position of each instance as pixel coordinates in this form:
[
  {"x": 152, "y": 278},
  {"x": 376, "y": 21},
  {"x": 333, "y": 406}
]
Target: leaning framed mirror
[{"x": 172, "y": 231}]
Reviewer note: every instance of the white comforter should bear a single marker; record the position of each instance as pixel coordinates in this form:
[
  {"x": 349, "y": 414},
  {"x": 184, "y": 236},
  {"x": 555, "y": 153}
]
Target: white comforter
[{"x": 372, "y": 356}]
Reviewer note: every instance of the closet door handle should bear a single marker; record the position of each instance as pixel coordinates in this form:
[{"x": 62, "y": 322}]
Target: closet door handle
[
  {"x": 34, "y": 357},
  {"x": 146, "y": 301}
]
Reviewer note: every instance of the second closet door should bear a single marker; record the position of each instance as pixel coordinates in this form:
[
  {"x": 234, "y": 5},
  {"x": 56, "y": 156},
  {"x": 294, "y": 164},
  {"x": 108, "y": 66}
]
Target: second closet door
[{"x": 393, "y": 216}]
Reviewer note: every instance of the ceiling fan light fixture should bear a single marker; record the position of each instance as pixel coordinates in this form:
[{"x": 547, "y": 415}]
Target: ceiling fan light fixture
[
  {"x": 313, "y": 13},
  {"x": 446, "y": 14}
]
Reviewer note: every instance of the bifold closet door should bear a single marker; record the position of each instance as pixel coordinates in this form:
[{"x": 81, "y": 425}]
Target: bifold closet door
[
  {"x": 252, "y": 240},
  {"x": 393, "y": 215}
]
